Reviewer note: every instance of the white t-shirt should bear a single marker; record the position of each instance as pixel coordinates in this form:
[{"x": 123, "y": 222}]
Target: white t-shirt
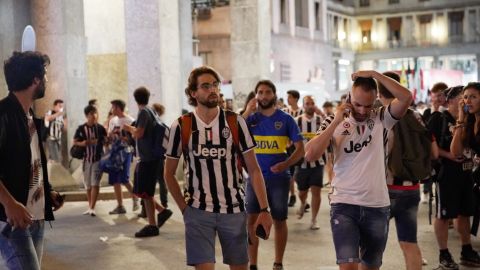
[
  {"x": 117, "y": 122},
  {"x": 36, "y": 196},
  {"x": 359, "y": 162}
]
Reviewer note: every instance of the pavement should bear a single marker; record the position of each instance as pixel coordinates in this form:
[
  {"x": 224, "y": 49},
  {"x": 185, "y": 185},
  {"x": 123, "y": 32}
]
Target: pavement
[{"x": 106, "y": 241}]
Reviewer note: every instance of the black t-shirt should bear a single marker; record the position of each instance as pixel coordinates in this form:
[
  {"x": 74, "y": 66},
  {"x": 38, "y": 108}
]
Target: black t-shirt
[{"x": 93, "y": 153}]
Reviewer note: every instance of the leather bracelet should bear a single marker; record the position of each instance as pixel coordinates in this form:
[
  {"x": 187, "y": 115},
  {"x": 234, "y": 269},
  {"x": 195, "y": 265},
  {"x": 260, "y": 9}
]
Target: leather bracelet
[{"x": 265, "y": 210}]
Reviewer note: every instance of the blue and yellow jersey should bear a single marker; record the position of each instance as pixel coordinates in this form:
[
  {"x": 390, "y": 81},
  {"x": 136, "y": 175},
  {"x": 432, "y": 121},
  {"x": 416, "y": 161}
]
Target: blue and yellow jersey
[{"x": 272, "y": 134}]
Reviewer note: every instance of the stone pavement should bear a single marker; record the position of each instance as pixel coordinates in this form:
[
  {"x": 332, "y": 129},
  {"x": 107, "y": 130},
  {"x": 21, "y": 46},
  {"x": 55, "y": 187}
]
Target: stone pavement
[{"x": 107, "y": 242}]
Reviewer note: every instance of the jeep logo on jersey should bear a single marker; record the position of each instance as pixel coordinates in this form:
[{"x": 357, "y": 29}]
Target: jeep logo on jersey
[
  {"x": 278, "y": 125},
  {"x": 370, "y": 124},
  {"x": 209, "y": 151},
  {"x": 358, "y": 146},
  {"x": 267, "y": 145}
]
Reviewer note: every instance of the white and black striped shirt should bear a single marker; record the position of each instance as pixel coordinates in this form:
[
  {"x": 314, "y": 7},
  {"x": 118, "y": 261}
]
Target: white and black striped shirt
[
  {"x": 213, "y": 182},
  {"x": 55, "y": 127},
  {"x": 93, "y": 152},
  {"x": 309, "y": 128},
  {"x": 294, "y": 113}
]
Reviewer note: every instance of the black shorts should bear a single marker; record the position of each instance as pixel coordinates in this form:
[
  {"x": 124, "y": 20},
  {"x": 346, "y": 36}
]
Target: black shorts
[
  {"x": 454, "y": 195},
  {"x": 309, "y": 177},
  {"x": 145, "y": 179}
]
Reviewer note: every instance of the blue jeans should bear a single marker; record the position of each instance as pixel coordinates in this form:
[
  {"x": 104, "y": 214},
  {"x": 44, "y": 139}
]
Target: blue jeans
[
  {"x": 404, "y": 209},
  {"x": 359, "y": 233},
  {"x": 277, "y": 195},
  {"x": 23, "y": 248}
]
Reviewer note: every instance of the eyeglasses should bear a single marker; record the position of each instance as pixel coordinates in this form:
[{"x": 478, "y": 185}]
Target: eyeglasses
[{"x": 208, "y": 86}]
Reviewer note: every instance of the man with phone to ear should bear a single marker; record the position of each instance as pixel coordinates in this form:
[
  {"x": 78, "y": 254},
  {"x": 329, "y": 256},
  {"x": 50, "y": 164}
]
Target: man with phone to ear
[
  {"x": 26, "y": 197},
  {"x": 360, "y": 205}
]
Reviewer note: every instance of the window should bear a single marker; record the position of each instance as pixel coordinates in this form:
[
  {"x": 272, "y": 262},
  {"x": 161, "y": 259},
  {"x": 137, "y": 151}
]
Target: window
[
  {"x": 455, "y": 26},
  {"x": 284, "y": 11},
  {"x": 301, "y": 13},
  {"x": 318, "y": 16},
  {"x": 393, "y": 1},
  {"x": 364, "y": 3},
  {"x": 206, "y": 58}
]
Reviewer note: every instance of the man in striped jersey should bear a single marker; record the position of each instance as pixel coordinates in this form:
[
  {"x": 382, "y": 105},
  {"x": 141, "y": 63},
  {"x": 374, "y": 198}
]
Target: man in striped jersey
[
  {"x": 309, "y": 175},
  {"x": 360, "y": 206},
  {"x": 273, "y": 129},
  {"x": 56, "y": 122},
  {"x": 213, "y": 199}
]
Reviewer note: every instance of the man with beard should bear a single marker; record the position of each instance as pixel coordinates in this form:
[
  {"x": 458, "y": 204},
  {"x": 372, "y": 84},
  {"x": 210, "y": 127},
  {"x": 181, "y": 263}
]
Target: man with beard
[
  {"x": 26, "y": 197},
  {"x": 211, "y": 141},
  {"x": 272, "y": 129},
  {"x": 309, "y": 175},
  {"x": 360, "y": 206}
]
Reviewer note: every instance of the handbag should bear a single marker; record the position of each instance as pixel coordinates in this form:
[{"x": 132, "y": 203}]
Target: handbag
[{"x": 77, "y": 151}]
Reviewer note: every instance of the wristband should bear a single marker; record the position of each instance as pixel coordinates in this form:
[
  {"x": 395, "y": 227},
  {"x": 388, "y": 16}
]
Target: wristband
[{"x": 265, "y": 210}]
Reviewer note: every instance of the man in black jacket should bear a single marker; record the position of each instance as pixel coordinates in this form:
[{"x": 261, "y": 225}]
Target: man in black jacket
[{"x": 26, "y": 197}]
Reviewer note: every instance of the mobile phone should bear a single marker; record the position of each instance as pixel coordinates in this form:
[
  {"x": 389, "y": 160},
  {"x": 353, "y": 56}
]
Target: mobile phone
[
  {"x": 260, "y": 232},
  {"x": 5, "y": 228},
  {"x": 349, "y": 99},
  {"x": 465, "y": 108}
]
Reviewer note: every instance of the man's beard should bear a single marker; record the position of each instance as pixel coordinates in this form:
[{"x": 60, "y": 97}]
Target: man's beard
[
  {"x": 39, "y": 91},
  {"x": 270, "y": 104},
  {"x": 310, "y": 112},
  {"x": 209, "y": 103}
]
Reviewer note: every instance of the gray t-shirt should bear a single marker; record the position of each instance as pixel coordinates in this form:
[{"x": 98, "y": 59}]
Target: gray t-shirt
[{"x": 144, "y": 144}]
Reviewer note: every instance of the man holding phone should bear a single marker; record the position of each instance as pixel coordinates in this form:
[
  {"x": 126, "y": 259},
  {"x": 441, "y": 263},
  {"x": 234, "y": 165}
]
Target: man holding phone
[
  {"x": 360, "y": 206},
  {"x": 26, "y": 197},
  {"x": 272, "y": 129}
]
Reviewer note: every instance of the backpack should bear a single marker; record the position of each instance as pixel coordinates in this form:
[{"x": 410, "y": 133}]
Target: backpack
[
  {"x": 160, "y": 135},
  {"x": 186, "y": 127},
  {"x": 410, "y": 157}
]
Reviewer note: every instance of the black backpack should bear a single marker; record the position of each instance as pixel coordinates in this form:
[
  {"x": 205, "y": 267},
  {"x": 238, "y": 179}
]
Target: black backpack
[
  {"x": 410, "y": 157},
  {"x": 160, "y": 133}
]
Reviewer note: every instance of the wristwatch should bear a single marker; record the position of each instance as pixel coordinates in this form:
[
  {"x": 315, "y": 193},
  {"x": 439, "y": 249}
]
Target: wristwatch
[{"x": 265, "y": 210}]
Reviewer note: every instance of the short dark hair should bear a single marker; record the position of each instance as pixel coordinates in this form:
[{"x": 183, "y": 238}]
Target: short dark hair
[
  {"x": 159, "y": 108},
  {"x": 382, "y": 90},
  {"x": 453, "y": 92},
  {"x": 327, "y": 104},
  {"x": 141, "y": 95},
  {"x": 90, "y": 109},
  {"x": 119, "y": 103},
  {"x": 294, "y": 93},
  {"x": 23, "y": 67},
  {"x": 474, "y": 85},
  {"x": 92, "y": 102},
  {"x": 193, "y": 82},
  {"x": 367, "y": 84},
  {"x": 267, "y": 83},
  {"x": 439, "y": 87},
  {"x": 57, "y": 101}
]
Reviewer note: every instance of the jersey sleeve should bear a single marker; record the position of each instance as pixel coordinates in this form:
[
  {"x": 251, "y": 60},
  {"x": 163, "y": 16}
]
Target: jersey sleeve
[
  {"x": 388, "y": 121},
  {"x": 174, "y": 144},
  {"x": 80, "y": 134},
  {"x": 246, "y": 141},
  {"x": 293, "y": 130}
]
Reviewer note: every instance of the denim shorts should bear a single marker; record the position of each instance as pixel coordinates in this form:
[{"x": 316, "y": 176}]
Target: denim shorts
[
  {"x": 404, "y": 209},
  {"x": 277, "y": 194},
  {"x": 359, "y": 233},
  {"x": 309, "y": 177},
  {"x": 123, "y": 176},
  {"x": 201, "y": 228},
  {"x": 23, "y": 248}
]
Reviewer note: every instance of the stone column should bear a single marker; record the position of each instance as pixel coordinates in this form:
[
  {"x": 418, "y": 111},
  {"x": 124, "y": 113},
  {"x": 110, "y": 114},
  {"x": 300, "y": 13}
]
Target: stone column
[
  {"x": 478, "y": 66},
  {"x": 186, "y": 45},
  {"x": 323, "y": 19},
  {"x": 250, "y": 46},
  {"x": 311, "y": 18},
  {"x": 275, "y": 15},
  {"x": 60, "y": 30},
  {"x": 14, "y": 16},
  {"x": 153, "y": 49},
  {"x": 291, "y": 15}
]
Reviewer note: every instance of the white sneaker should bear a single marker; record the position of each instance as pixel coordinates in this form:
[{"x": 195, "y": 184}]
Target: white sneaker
[
  {"x": 314, "y": 225},
  {"x": 92, "y": 213},
  {"x": 87, "y": 212}
]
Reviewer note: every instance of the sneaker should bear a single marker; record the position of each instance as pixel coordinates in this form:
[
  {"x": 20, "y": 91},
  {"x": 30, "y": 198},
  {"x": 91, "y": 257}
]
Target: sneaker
[
  {"x": 86, "y": 212},
  {"x": 92, "y": 213},
  {"x": 118, "y": 210},
  {"x": 292, "y": 201},
  {"x": 135, "y": 205},
  {"x": 163, "y": 216},
  {"x": 277, "y": 266},
  {"x": 470, "y": 258},
  {"x": 301, "y": 212},
  {"x": 424, "y": 261},
  {"x": 314, "y": 226},
  {"x": 307, "y": 206},
  {"x": 147, "y": 231},
  {"x": 447, "y": 262}
]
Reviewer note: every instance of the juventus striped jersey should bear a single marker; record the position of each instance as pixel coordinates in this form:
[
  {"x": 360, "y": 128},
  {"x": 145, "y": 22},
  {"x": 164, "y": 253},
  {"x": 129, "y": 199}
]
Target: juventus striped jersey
[
  {"x": 93, "y": 152},
  {"x": 292, "y": 112},
  {"x": 55, "y": 127},
  {"x": 213, "y": 182},
  {"x": 359, "y": 163},
  {"x": 308, "y": 128}
]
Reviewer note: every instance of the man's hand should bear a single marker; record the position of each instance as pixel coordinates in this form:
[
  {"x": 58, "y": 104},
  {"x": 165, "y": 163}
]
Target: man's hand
[
  {"x": 454, "y": 158},
  {"x": 364, "y": 74},
  {"x": 264, "y": 219},
  {"x": 18, "y": 215},
  {"x": 57, "y": 200},
  {"x": 279, "y": 167},
  {"x": 343, "y": 110}
]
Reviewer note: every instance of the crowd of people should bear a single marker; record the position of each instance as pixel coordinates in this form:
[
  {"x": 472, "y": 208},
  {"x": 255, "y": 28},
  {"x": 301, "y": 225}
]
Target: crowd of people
[{"x": 242, "y": 171}]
